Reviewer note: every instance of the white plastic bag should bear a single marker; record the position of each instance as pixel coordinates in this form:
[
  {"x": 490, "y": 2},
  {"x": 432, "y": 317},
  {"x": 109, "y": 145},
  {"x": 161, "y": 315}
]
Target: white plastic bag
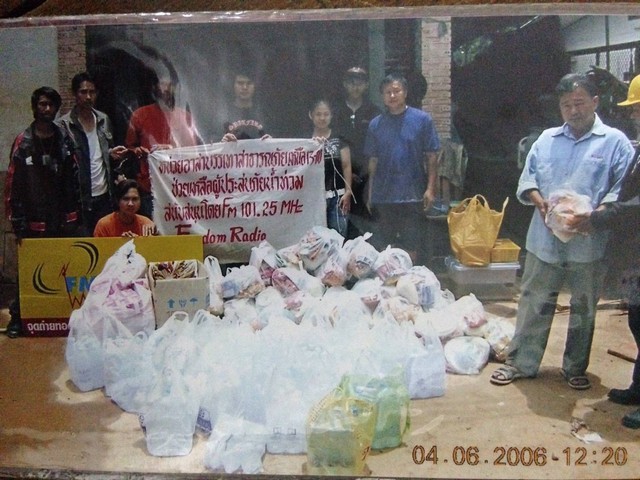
[
  {"x": 361, "y": 256},
  {"x": 242, "y": 282},
  {"x": 316, "y": 244},
  {"x": 426, "y": 368},
  {"x": 420, "y": 286},
  {"x": 216, "y": 303},
  {"x": 466, "y": 355},
  {"x": 170, "y": 420},
  {"x": 84, "y": 354},
  {"x": 391, "y": 264},
  {"x": 499, "y": 332},
  {"x": 236, "y": 445},
  {"x": 562, "y": 203},
  {"x": 263, "y": 257}
]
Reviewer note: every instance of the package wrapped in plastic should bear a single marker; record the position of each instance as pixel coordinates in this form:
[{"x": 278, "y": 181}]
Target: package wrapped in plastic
[
  {"x": 235, "y": 446},
  {"x": 302, "y": 378},
  {"x": 216, "y": 302},
  {"x": 345, "y": 306},
  {"x": 340, "y": 430},
  {"x": 173, "y": 403},
  {"x": 298, "y": 303},
  {"x": 269, "y": 303},
  {"x": 471, "y": 312},
  {"x": 319, "y": 315},
  {"x": 224, "y": 395},
  {"x": 316, "y": 244},
  {"x": 127, "y": 367},
  {"x": 464, "y": 316},
  {"x": 169, "y": 421},
  {"x": 289, "y": 257},
  {"x": 391, "y": 398},
  {"x": 290, "y": 280},
  {"x": 242, "y": 282},
  {"x": 241, "y": 310},
  {"x": 84, "y": 353},
  {"x": 333, "y": 271},
  {"x": 498, "y": 332},
  {"x": 445, "y": 325},
  {"x": 286, "y": 414},
  {"x": 361, "y": 256},
  {"x": 129, "y": 373},
  {"x": 466, "y": 355},
  {"x": 562, "y": 203},
  {"x": 118, "y": 300},
  {"x": 263, "y": 257},
  {"x": 391, "y": 264},
  {"x": 420, "y": 286},
  {"x": 122, "y": 268},
  {"x": 426, "y": 370},
  {"x": 132, "y": 305},
  {"x": 445, "y": 298},
  {"x": 369, "y": 290},
  {"x": 399, "y": 308},
  {"x": 270, "y": 297},
  {"x": 164, "y": 336}
]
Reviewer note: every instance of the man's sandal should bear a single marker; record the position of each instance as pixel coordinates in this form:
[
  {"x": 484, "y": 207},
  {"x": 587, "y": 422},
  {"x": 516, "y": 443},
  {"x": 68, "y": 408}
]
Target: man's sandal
[
  {"x": 577, "y": 382},
  {"x": 505, "y": 375}
]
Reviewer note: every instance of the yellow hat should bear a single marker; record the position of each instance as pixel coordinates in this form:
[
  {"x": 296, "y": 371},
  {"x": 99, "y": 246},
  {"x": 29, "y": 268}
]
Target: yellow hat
[{"x": 633, "y": 96}]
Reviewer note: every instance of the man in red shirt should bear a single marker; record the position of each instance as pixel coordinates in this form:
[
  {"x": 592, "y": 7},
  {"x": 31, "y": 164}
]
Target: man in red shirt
[{"x": 160, "y": 125}]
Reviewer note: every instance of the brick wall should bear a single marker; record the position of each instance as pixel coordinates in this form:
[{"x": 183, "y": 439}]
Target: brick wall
[
  {"x": 72, "y": 59},
  {"x": 435, "y": 44}
]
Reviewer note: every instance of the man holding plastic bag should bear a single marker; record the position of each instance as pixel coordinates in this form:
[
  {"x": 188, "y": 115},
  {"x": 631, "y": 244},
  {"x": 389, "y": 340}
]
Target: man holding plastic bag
[
  {"x": 583, "y": 157},
  {"x": 623, "y": 218}
]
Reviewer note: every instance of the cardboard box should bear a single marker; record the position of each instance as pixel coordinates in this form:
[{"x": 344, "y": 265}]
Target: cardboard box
[
  {"x": 505, "y": 251},
  {"x": 496, "y": 281},
  {"x": 179, "y": 294}
]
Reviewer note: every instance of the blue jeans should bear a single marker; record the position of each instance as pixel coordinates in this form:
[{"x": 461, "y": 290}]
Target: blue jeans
[
  {"x": 541, "y": 284},
  {"x": 335, "y": 218}
]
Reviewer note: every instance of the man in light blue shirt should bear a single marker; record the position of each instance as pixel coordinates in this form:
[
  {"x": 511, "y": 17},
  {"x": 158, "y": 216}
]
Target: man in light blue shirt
[{"x": 589, "y": 158}]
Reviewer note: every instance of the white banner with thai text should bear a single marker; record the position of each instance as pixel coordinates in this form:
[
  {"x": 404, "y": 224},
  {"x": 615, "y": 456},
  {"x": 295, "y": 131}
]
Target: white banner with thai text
[{"x": 237, "y": 194}]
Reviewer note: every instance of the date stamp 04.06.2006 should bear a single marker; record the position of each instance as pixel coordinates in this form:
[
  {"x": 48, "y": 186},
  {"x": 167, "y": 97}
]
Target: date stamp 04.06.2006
[{"x": 511, "y": 456}]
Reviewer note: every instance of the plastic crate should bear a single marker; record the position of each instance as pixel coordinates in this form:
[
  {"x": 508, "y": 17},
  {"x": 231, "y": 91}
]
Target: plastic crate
[
  {"x": 505, "y": 251},
  {"x": 493, "y": 282}
]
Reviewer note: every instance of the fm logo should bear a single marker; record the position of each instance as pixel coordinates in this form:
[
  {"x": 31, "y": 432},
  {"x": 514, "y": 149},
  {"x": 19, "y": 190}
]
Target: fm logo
[{"x": 77, "y": 286}]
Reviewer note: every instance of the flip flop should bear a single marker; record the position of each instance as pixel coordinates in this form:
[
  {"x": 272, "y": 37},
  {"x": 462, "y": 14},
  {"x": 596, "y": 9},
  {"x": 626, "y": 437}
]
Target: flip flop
[
  {"x": 505, "y": 375},
  {"x": 578, "y": 382}
]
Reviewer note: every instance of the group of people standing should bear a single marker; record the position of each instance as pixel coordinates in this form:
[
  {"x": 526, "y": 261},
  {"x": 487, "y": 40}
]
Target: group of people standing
[
  {"x": 66, "y": 176},
  {"x": 63, "y": 180}
]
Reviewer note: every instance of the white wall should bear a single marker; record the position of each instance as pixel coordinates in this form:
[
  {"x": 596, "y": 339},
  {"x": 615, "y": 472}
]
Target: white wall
[
  {"x": 29, "y": 59},
  {"x": 589, "y": 31}
]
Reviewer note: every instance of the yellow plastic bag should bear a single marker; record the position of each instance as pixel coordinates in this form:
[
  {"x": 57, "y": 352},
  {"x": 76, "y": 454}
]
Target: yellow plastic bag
[
  {"x": 340, "y": 430},
  {"x": 473, "y": 230},
  {"x": 389, "y": 394}
]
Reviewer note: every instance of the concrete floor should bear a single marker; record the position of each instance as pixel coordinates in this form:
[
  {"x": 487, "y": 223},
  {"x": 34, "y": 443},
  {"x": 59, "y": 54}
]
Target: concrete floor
[{"x": 50, "y": 429}]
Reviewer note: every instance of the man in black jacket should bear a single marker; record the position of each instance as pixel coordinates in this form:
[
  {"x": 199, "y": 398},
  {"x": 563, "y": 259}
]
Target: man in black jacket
[
  {"x": 623, "y": 253},
  {"x": 40, "y": 187}
]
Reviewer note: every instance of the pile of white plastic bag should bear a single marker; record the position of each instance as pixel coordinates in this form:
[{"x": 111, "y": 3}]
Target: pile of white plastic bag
[{"x": 281, "y": 333}]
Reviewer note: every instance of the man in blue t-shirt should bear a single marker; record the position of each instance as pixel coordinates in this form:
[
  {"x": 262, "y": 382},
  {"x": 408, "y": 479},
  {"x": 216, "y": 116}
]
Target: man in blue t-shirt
[{"x": 402, "y": 146}]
